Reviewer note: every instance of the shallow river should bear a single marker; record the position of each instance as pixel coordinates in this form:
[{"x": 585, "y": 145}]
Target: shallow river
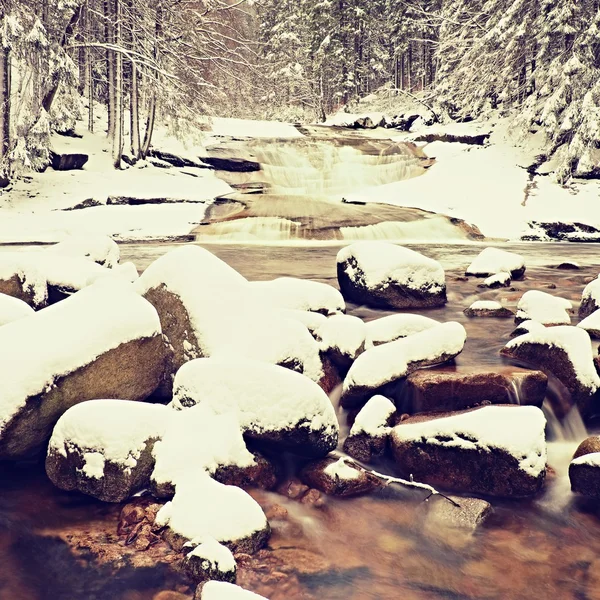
[{"x": 381, "y": 546}]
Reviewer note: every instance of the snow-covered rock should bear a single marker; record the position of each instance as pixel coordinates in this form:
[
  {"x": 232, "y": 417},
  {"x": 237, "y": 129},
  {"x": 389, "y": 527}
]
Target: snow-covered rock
[
  {"x": 377, "y": 367},
  {"x": 591, "y": 324},
  {"x": 543, "y": 308},
  {"x": 311, "y": 320},
  {"x": 584, "y": 470},
  {"x": 590, "y": 298},
  {"x": 100, "y": 249},
  {"x": 210, "y": 561},
  {"x": 429, "y": 390},
  {"x": 99, "y": 343},
  {"x": 103, "y": 448},
  {"x": 498, "y": 280},
  {"x": 302, "y": 294},
  {"x": 342, "y": 339},
  {"x": 488, "y": 308},
  {"x": 564, "y": 351},
  {"x": 394, "y": 327},
  {"x": 382, "y": 274},
  {"x": 208, "y": 309},
  {"x": 368, "y": 436},
  {"x": 198, "y": 439},
  {"x": 12, "y": 308},
  {"x": 203, "y": 507},
  {"x": 22, "y": 278},
  {"x": 338, "y": 477},
  {"x": 274, "y": 405},
  {"x": 219, "y": 590},
  {"x": 492, "y": 261},
  {"x": 495, "y": 450}
]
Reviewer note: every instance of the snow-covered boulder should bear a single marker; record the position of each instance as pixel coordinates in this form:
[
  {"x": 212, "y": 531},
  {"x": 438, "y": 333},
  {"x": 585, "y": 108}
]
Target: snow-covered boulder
[
  {"x": 584, "y": 470},
  {"x": 208, "y": 309},
  {"x": 590, "y": 298},
  {"x": 564, "y": 351},
  {"x": 99, "y": 343},
  {"x": 369, "y": 433},
  {"x": 274, "y": 405},
  {"x": 495, "y": 450},
  {"x": 382, "y": 365},
  {"x": 12, "y": 308},
  {"x": 22, "y": 278},
  {"x": 100, "y": 249},
  {"x": 384, "y": 275},
  {"x": 311, "y": 320},
  {"x": 198, "y": 439},
  {"x": 342, "y": 339},
  {"x": 103, "y": 448},
  {"x": 210, "y": 561},
  {"x": 488, "y": 308},
  {"x": 492, "y": 261},
  {"x": 591, "y": 324},
  {"x": 498, "y": 280},
  {"x": 203, "y": 507},
  {"x": 429, "y": 390},
  {"x": 394, "y": 327},
  {"x": 338, "y": 477},
  {"x": 543, "y": 308},
  {"x": 302, "y": 294},
  {"x": 218, "y": 590}
]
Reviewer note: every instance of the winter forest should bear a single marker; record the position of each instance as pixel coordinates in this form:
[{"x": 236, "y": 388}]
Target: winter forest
[{"x": 538, "y": 62}]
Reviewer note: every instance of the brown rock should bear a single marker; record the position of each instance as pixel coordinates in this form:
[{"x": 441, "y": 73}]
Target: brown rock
[
  {"x": 19, "y": 287},
  {"x": 200, "y": 564},
  {"x": 493, "y": 313},
  {"x": 429, "y": 390},
  {"x": 585, "y": 476},
  {"x": 586, "y": 308},
  {"x": 262, "y": 474},
  {"x": 348, "y": 480},
  {"x": 589, "y": 446}
]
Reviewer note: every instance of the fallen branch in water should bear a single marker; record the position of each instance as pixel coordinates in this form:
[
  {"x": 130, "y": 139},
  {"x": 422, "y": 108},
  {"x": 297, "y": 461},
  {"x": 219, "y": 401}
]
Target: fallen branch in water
[{"x": 388, "y": 479}]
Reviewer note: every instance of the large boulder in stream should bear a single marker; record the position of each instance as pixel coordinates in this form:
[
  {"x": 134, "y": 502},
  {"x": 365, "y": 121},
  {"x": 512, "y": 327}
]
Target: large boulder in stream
[
  {"x": 544, "y": 308},
  {"x": 207, "y": 309},
  {"x": 22, "y": 278},
  {"x": 493, "y": 450},
  {"x": 378, "y": 369},
  {"x": 384, "y": 275},
  {"x": 103, "y": 448},
  {"x": 102, "y": 342},
  {"x": 492, "y": 261},
  {"x": 275, "y": 406},
  {"x": 584, "y": 470},
  {"x": 564, "y": 351},
  {"x": 590, "y": 298}
]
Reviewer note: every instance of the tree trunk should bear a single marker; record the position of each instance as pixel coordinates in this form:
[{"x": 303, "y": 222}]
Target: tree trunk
[
  {"x": 110, "y": 71},
  {"x": 4, "y": 107},
  {"x": 152, "y": 109},
  {"x": 119, "y": 114},
  {"x": 134, "y": 102}
]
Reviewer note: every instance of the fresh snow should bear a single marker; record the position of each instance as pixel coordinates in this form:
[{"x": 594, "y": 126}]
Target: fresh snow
[
  {"x": 516, "y": 430},
  {"x": 501, "y": 278},
  {"x": 591, "y": 323},
  {"x": 382, "y": 263},
  {"x": 12, "y": 309},
  {"x": 373, "y": 417},
  {"x": 221, "y": 590},
  {"x": 394, "y": 327},
  {"x": 485, "y": 305},
  {"x": 66, "y": 336},
  {"x": 544, "y": 308},
  {"x": 240, "y": 128},
  {"x": 98, "y": 248},
  {"x": 592, "y": 290},
  {"x": 214, "y": 555},
  {"x": 345, "y": 333},
  {"x": 261, "y": 395},
  {"x": 28, "y": 272},
  {"x": 340, "y": 469},
  {"x": 393, "y": 360},
  {"x": 203, "y": 508},
  {"x": 493, "y": 261},
  {"x": 109, "y": 430},
  {"x": 573, "y": 340},
  {"x": 592, "y": 459},
  {"x": 302, "y": 294}
]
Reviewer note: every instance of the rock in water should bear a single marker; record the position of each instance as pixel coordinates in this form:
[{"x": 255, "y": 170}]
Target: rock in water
[
  {"x": 383, "y": 365},
  {"x": 584, "y": 470},
  {"x": 210, "y": 561},
  {"x": 429, "y": 390},
  {"x": 492, "y": 261},
  {"x": 498, "y": 280},
  {"x": 337, "y": 477},
  {"x": 564, "y": 351},
  {"x": 22, "y": 278},
  {"x": 384, "y": 275},
  {"x": 543, "y": 308},
  {"x": 591, "y": 324},
  {"x": 274, "y": 405},
  {"x": 342, "y": 338},
  {"x": 590, "y": 298},
  {"x": 395, "y": 327},
  {"x": 100, "y": 249},
  {"x": 103, "y": 448},
  {"x": 12, "y": 309},
  {"x": 203, "y": 508},
  {"x": 488, "y": 308},
  {"x": 369, "y": 434},
  {"x": 495, "y": 450},
  {"x": 99, "y": 343}
]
